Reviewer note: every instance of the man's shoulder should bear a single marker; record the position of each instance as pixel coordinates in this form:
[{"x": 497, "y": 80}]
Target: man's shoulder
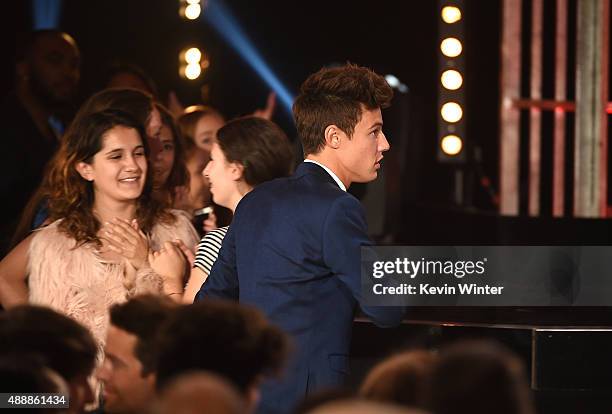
[{"x": 302, "y": 189}]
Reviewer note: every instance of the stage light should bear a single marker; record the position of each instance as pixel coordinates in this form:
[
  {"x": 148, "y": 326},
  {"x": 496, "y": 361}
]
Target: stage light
[
  {"x": 451, "y": 47},
  {"x": 193, "y": 55},
  {"x": 221, "y": 19},
  {"x": 192, "y": 71},
  {"x": 192, "y": 61},
  {"x": 192, "y": 11},
  {"x": 451, "y": 14},
  {"x": 395, "y": 83},
  {"x": 46, "y": 14},
  {"x": 392, "y": 80},
  {"x": 451, "y": 79},
  {"x": 451, "y": 112},
  {"x": 451, "y": 144}
]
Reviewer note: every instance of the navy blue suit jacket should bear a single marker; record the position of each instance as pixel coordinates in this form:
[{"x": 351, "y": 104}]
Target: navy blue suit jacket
[{"x": 293, "y": 251}]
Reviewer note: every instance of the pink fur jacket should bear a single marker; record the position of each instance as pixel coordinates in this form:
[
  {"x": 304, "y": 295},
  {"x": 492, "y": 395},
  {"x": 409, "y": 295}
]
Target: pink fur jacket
[{"x": 82, "y": 285}]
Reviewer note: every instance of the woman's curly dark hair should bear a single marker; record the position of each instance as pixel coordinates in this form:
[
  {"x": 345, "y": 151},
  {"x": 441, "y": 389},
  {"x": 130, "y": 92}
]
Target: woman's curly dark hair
[
  {"x": 137, "y": 104},
  {"x": 71, "y": 197}
]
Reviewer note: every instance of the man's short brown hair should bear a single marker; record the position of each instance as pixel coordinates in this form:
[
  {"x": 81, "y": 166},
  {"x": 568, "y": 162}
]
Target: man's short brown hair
[
  {"x": 234, "y": 341},
  {"x": 337, "y": 96},
  {"x": 141, "y": 316}
]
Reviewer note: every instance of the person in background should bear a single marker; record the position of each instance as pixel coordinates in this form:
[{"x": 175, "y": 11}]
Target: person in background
[
  {"x": 141, "y": 107},
  {"x": 169, "y": 171},
  {"x": 248, "y": 152},
  {"x": 400, "y": 379},
  {"x": 478, "y": 377},
  {"x": 232, "y": 341},
  {"x": 26, "y": 372},
  {"x": 128, "y": 75},
  {"x": 60, "y": 343},
  {"x": 128, "y": 372},
  {"x": 200, "y": 393},
  {"x": 104, "y": 222},
  {"x": 34, "y": 116},
  {"x": 356, "y": 406},
  {"x": 199, "y": 125}
]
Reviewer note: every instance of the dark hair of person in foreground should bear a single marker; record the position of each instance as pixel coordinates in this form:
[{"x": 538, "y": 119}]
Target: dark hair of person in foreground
[
  {"x": 231, "y": 340},
  {"x": 479, "y": 377}
]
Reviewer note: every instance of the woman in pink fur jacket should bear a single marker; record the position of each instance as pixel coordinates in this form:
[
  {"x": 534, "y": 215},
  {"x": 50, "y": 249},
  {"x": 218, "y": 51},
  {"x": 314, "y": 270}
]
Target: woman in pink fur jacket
[{"x": 104, "y": 226}]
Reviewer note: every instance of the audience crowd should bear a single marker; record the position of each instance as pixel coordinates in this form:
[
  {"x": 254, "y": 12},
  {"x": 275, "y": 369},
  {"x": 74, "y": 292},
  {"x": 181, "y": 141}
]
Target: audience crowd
[{"x": 113, "y": 231}]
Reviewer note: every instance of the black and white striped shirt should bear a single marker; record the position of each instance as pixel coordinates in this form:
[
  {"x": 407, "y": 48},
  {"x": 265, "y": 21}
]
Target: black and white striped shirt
[{"x": 208, "y": 249}]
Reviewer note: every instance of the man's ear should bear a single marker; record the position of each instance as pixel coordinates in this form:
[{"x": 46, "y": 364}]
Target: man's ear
[
  {"x": 85, "y": 171},
  {"x": 333, "y": 136}
]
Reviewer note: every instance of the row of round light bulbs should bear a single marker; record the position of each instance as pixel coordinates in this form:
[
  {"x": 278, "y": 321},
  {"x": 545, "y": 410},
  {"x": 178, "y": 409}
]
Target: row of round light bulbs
[
  {"x": 192, "y": 63},
  {"x": 190, "y": 59},
  {"x": 190, "y": 9},
  {"x": 451, "y": 79}
]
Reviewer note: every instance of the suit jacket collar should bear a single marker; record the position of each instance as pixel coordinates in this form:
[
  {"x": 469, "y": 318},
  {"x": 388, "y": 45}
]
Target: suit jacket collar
[{"x": 311, "y": 168}]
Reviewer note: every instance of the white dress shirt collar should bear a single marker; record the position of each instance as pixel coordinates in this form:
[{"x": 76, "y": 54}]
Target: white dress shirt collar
[{"x": 330, "y": 172}]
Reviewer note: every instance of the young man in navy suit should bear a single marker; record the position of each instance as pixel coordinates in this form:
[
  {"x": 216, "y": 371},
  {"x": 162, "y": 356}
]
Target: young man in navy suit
[{"x": 293, "y": 248}]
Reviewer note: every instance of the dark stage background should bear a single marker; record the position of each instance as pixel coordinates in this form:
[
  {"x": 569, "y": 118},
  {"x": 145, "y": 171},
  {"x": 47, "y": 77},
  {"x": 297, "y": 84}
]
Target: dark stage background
[
  {"x": 390, "y": 36},
  {"x": 295, "y": 39}
]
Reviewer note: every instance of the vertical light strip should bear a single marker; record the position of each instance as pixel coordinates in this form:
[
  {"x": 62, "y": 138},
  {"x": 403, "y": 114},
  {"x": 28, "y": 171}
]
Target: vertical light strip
[
  {"x": 46, "y": 14},
  {"x": 535, "y": 114},
  {"x": 560, "y": 95},
  {"x": 604, "y": 97},
  {"x": 590, "y": 157},
  {"x": 509, "y": 116},
  {"x": 452, "y": 100}
]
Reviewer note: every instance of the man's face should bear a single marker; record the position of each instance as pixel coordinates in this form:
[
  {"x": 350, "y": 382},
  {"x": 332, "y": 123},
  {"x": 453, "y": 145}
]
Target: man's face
[
  {"x": 360, "y": 155},
  {"x": 125, "y": 389},
  {"x": 54, "y": 68}
]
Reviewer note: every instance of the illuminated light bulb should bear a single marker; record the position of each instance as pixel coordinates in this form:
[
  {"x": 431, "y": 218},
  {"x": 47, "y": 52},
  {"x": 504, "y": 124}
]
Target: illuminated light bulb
[
  {"x": 193, "y": 1},
  {"x": 451, "y": 112},
  {"x": 451, "y": 144},
  {"x": 392, "y": 80},
  {"x": 192, "y": 11},
  {"x": 451, "y": 79},
  {"x": 192, "y": 71},
  {"x": 451, "y": 14},
  {"x": 451, "y": 47},
  {"x": 193, "y": 55}
]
